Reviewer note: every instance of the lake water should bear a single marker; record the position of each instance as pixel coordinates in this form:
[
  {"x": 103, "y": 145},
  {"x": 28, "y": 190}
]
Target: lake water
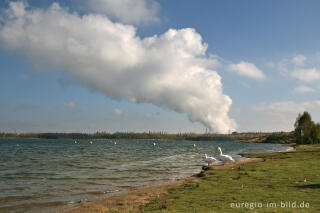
[{"x": 39, "y": 175}]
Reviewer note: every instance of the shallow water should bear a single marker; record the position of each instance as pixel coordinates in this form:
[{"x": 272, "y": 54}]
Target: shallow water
[{"x": 38, "y": 174}]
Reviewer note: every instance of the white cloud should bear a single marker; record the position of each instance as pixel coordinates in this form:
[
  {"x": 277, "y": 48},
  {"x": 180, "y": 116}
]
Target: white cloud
[
  {"x": 117, "y": 112},
  {"x": 299, "y": 60},
  {"x": 69, "y": 105},
  {"x": 127, "y": 11},
  {"x": 299, "y": 66},
  {"x": 306, "y": 75},
  {"x": 247, "y": 69},
  {"x": 169, "y": 70},
  {"x": 283, "y": 66},
  {"x": 303, "y": 89}
]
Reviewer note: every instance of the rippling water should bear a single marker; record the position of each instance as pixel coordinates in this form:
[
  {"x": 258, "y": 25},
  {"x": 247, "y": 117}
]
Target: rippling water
[{"x": 38, "y": 175}]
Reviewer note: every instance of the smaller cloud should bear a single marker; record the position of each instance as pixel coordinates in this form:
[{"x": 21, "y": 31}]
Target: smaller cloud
[
  {"x": 69, "y": 105},
  {"x": 306, "y": 75},
  {"x": 303, "y": 89},
  {"x": 117, "y": 112},
  {"x": 247, "y": 69},
  {"x": 299, "y": 60}
]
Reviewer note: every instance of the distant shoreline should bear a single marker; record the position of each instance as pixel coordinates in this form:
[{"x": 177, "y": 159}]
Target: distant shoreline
[{"x": 273, "y": 137}]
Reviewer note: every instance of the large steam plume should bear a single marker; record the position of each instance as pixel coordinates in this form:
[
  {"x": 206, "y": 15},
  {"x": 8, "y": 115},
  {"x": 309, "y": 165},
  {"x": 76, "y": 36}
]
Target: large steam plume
[{"x": 170, "y": 70}]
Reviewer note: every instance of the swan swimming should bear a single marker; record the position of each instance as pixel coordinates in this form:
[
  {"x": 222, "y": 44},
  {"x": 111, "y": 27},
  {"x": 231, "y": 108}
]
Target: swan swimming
[
  {"x": 223, "y": 157},
  {"x": 208, "y": 159},
  {"x": 91, "y": 142}
]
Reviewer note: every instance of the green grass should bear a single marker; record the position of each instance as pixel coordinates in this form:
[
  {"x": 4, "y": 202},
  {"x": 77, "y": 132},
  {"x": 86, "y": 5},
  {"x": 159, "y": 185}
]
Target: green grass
[{"x": 293, "y": 176}]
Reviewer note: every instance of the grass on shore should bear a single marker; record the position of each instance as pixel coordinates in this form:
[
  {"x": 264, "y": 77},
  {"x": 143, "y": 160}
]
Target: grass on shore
[{"x": 278, "y": 177}]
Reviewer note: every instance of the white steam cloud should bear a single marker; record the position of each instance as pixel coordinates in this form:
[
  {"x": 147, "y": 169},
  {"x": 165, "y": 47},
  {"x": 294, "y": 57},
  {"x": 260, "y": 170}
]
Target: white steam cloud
[{"x": 169, "y": 71}]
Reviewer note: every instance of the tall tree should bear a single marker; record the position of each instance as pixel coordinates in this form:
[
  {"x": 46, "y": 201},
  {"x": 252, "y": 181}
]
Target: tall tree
[{"x": 303, "y": 127}]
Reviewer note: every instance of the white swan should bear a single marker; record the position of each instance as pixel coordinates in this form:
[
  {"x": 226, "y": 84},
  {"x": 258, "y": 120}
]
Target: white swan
[
  {"x": 223, "y": 157},
  {"x": 208, "y": 159},
  {"x": 91, "y": 142}
]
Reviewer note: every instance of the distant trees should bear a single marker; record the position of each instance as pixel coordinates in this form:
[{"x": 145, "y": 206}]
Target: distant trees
[{"x": 305, "y": 130}]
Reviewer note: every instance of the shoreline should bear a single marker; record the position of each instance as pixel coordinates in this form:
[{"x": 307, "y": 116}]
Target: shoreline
[
  {"x": 127, "y": 201},
  {"x": 133, "y": 200}
]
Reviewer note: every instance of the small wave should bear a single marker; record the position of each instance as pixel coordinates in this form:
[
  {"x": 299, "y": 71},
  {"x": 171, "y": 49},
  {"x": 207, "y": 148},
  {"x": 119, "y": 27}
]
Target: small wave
[
  {"x": 91, "y": 193},
  {"x": 288, "y": 149},
  {"x": 62, "y": 178},
  {"x": 84, "y": 167},
  {"x": 93, "y": 183},
  {"x": 104, "y": 178}
]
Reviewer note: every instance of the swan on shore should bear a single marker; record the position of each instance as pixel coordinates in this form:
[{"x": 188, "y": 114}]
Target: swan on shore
[
  {"x": 208, "y": 160},
  {"x": 224, "y": 158}
]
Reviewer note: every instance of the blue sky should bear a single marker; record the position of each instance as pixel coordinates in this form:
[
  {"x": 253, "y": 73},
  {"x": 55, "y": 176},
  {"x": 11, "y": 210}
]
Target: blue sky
[{"x": 268, "y": 55}]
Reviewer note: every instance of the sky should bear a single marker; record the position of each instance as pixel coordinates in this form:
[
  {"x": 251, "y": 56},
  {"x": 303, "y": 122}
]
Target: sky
[{"x": 158, "y": 65}]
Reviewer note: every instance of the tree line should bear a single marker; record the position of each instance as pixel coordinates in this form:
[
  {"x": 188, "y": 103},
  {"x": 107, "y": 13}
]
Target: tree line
[{"x": 120, "y": 135}]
